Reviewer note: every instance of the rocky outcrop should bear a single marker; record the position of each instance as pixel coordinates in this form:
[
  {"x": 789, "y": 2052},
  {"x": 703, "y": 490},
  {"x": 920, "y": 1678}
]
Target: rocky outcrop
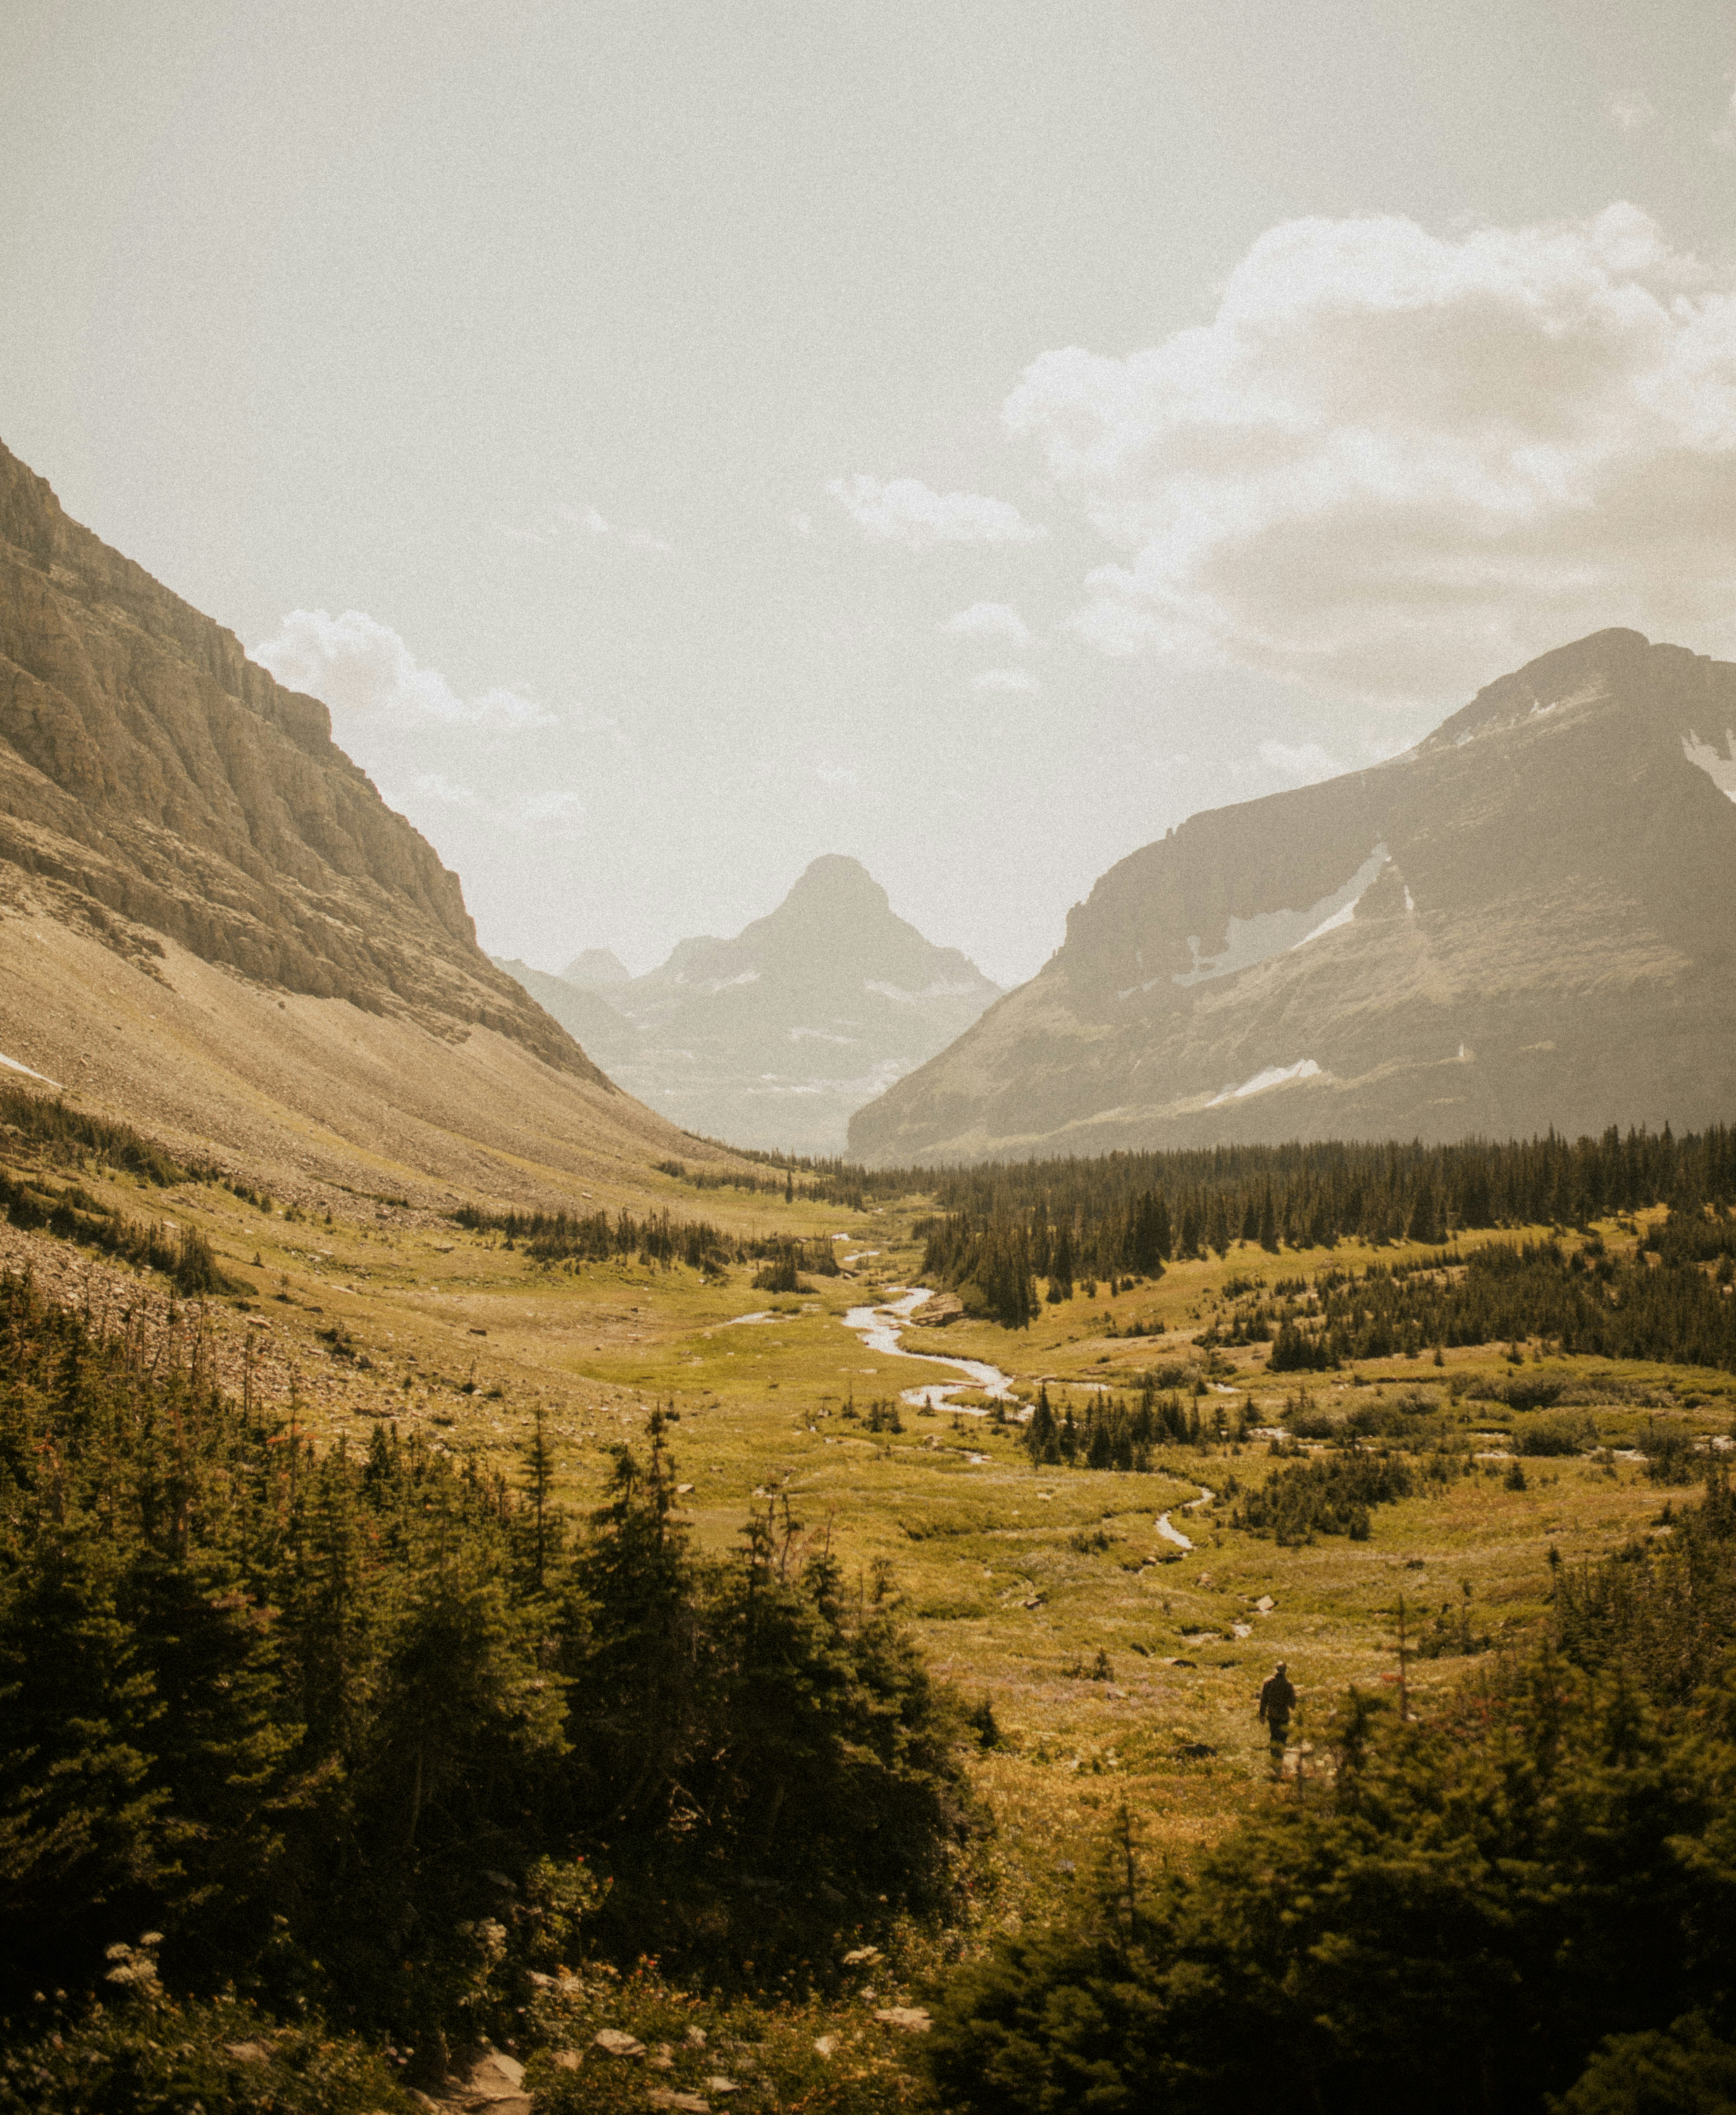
[
  {"x": 159, "y": 783},
  {"x": 1523, "y": 921}
]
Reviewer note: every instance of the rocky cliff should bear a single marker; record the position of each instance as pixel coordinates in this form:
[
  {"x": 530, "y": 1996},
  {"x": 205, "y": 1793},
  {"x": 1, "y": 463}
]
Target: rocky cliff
[
  {"x": 1523, "y": 921},
  {"x": 160, "y": 784}
]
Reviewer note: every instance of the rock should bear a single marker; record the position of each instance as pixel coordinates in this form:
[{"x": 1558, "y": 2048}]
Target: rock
[
  {"x": 695, "y": 2037},
  {"x": 1205, "y": 1579},
  {"x": 719, "y": 2084},
  {"x": 937, "y": 1311},
  {"x": 824, "y": 2044},
  {"x": 567, "y": 2060},
  {"x": 858, "y": 1955},
  {"x": 170, "y": 785},
  {"x": 613, "y": 2042},
  {"x": 663, "y": 2059},
  {"x": 495, "y": 2077},
  {"x": 1266, "y": 1605},
  {"x": 247, "y": 2052},
  {"x": 665, "y": 2096},
  {"x": 908, "y": 2019}
]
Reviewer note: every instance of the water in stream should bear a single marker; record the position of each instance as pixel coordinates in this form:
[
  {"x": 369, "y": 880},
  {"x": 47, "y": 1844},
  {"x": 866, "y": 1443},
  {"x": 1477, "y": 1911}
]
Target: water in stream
[{"x": 879, "y": 1327}]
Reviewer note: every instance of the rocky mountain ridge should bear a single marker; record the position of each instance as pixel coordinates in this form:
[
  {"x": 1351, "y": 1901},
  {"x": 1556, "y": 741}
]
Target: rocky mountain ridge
[
  {"x": 162, "y": 784},
  {"x": 1523, "y": 920}
]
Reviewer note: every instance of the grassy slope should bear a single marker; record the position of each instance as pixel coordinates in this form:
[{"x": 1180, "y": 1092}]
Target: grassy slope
[{"x": 762, "y": 1411}]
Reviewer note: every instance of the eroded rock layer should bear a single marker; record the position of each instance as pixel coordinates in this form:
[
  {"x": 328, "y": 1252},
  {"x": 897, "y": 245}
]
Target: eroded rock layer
[{"x": 163, "y": 785}]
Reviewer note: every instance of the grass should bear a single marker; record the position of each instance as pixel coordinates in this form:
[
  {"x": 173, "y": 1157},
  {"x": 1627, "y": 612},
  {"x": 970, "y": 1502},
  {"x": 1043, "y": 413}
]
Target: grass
[{"x": 1120, "y": 1667}]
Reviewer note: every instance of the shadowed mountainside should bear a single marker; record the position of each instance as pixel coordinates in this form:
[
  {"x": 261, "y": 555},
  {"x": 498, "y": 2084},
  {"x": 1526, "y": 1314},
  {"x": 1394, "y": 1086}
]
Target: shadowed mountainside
[{"x": 1525, "y": 920}]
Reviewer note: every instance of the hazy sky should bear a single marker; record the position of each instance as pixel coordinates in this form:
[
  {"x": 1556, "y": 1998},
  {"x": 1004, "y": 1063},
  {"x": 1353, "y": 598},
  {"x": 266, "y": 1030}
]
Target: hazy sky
[{"x": 680, "y": 439}]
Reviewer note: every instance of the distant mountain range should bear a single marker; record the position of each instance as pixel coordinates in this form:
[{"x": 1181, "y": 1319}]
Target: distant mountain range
[
  {"x": 770, "y": 1039},
  {"x": 1527, "y": 919},
  {"x": 212, "y": 923}
]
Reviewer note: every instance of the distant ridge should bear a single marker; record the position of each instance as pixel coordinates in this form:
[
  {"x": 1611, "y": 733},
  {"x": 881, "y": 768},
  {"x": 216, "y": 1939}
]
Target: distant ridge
[
  {"x": 770, "y": 1039},
  {"x": 1525, "y": 920}
]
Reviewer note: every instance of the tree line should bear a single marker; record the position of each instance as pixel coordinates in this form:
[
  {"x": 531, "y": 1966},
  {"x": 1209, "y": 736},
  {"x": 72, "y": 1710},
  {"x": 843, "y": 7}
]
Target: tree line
[
  {"x": 1583, "y": 1300},
  {"x": 1004, "y": 1225},
  {"x": 382, "y": 1733},
  {"x": 658, "y": 1239}
]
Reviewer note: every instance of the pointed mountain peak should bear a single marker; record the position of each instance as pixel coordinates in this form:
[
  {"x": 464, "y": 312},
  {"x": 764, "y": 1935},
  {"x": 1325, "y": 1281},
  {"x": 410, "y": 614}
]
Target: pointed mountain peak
[
  {"x": 835, "y": 880},
  {"x": 596, "y": 970}
]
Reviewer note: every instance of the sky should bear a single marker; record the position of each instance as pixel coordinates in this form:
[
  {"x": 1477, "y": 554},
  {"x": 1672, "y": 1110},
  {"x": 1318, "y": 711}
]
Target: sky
[{"x": 680, "y": 437}]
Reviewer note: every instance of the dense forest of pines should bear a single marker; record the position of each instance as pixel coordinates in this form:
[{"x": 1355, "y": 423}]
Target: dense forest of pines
[
  {"x": 377, "y": 1733},
  {"x": 1526, "y": 1891}
]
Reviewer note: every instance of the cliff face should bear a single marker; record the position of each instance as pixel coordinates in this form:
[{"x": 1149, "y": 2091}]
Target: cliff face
[
  {"x": 155, "y": 783},
  {"x": 1524, "y": 920}
]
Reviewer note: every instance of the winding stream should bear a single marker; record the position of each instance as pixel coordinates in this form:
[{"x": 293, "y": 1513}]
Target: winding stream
[
  {"x": 879, "y": 1327},
  {"x": 1168, "y": 1530}
]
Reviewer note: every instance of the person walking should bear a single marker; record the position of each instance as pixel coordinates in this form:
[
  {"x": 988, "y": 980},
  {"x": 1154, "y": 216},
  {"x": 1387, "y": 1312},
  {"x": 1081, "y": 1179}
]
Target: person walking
[{"x": 1277, "y": 1701}]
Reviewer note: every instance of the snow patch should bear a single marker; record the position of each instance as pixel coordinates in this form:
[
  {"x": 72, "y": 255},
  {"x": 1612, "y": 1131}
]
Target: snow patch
[
  {"x": 1720, "y": 769},
  {"x": 12, "y": 1064},
  {"x": 1274, "y": 1076},
  {"x": 941, "y": 987},
  {"x": 1248, "y": 942}
]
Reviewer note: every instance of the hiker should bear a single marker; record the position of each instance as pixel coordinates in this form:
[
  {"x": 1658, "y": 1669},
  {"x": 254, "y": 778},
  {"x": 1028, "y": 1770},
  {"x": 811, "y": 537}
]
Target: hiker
[{"x": 1277, "y": 1701}]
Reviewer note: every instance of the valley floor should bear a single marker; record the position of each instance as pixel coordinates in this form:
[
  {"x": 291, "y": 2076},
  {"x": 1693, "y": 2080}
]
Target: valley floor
[{"x": 1121, "y": 1668}]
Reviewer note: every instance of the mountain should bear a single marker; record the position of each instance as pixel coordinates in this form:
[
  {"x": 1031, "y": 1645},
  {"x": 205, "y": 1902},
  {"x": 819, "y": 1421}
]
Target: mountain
[
  {"x": 1525, "y": 920},
  {"x": 605, "y": 1033},
  {"x": 597, "y": 969},
  {"x": 772, "y": 1039},
  {"x": 211, "y": 921}
]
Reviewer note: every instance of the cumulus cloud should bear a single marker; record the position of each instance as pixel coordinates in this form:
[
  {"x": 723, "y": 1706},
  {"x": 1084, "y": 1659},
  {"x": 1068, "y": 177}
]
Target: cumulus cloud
[
  {"x": 363, "y": 670},
  {"x": 1004, "y": 679},
  {"x": 1397, "y": 463},
  {"x": 990, "y": 620},
  {"x": 902, "y": 510}
]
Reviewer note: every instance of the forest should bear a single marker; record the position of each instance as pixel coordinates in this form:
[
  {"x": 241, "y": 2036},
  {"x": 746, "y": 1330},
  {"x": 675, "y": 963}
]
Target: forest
[{"x": 380, "y": 1738}]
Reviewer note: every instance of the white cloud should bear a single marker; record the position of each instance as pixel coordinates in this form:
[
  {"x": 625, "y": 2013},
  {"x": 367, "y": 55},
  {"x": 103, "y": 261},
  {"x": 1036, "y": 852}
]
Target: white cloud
[
  {"x": 1005, "y": 679},
  {"x": 1397, "y": 464},
  {"x": 905, "y": 510},
  {"x": 990, "y": 620},
  {"x": 1630, "y": 113},
  {"x": 363, "y": 671},
  {"x": 801, "y": 524},
  {"x": 835, "y": 775},
  {"x": 1302, "y": 762},
  {"x": 567, "y": 520}
]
